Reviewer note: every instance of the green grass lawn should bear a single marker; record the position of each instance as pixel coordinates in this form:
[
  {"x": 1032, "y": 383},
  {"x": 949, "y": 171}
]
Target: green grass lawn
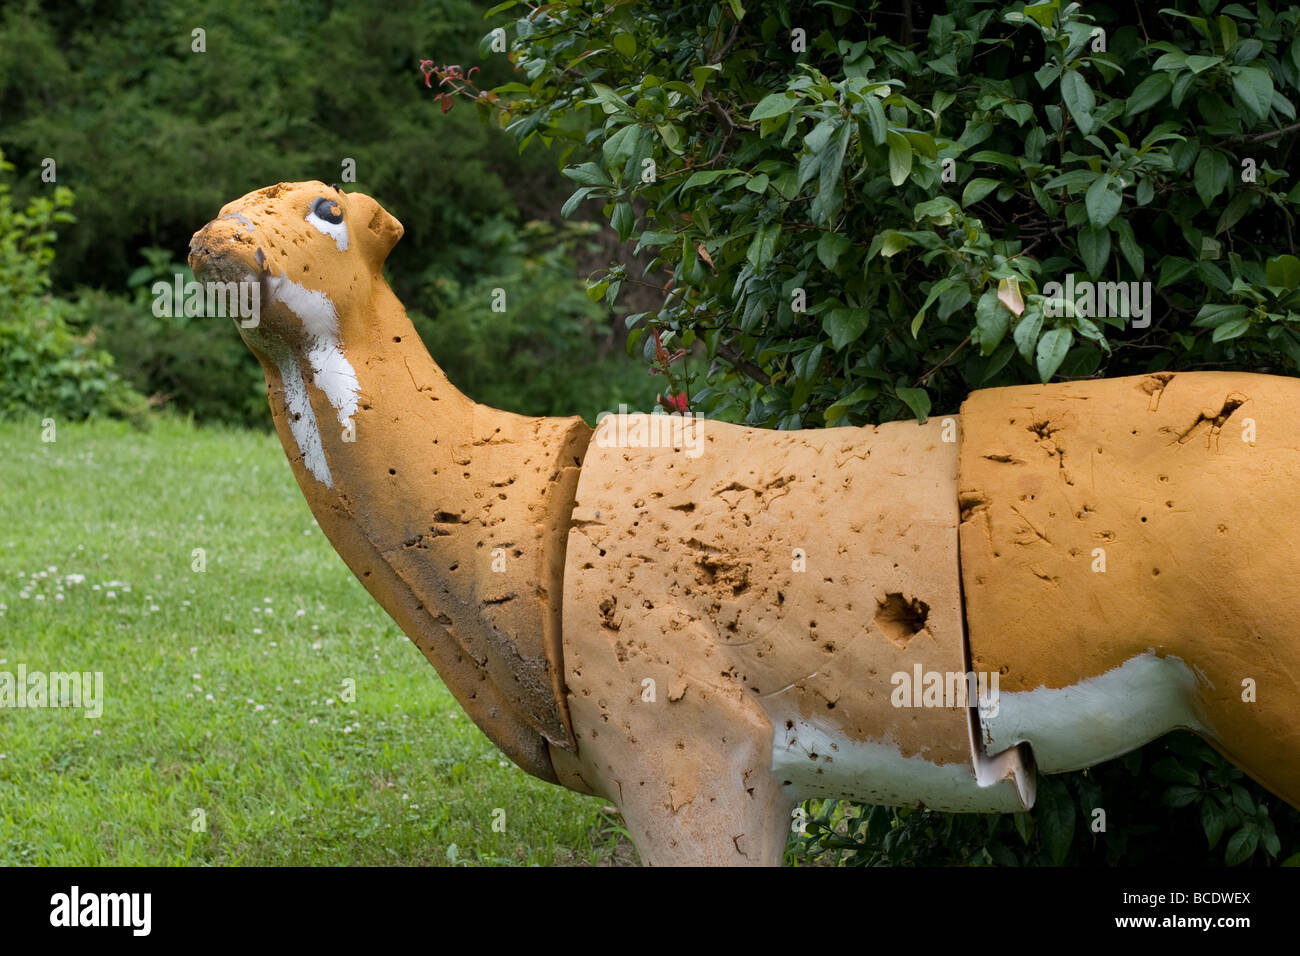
[{"x": 224, "y": 689}]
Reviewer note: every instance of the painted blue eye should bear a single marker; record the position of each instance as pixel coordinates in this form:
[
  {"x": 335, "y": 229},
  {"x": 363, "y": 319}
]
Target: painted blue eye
[{"x": 327, "y": 210}]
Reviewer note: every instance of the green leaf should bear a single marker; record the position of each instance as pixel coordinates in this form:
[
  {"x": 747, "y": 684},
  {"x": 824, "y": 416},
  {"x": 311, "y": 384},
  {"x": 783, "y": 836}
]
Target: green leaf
[
  {"x": 1172, "y": 770},
  {"x": 1212, "y": 175},
  {"x": 763, "y": 245},
  {"x": 876, "y": 119},
  {"x": 1129, "y": 247},
  {"x": 946, "y": 65},
  {"x": 622, "y": 220},
  {"x": 625, "y": 44},
  {"x": 1199, "y": 64},
  {"x": 1252, "y": 88},
  {"x": 1022, "y": 113},
  {"x": 703, "y": 177},
  {"x": 900, "y": 158},
  {"x": 977, "y": 189},
  {"x": 1055, "y": 811},
  {"x": 573, "y": 201},
  {"x": 835, "y": 412},
  {"x": 830, "y": 191},
  {"x": 1103, "y": 200},
  {"x": 830, "y": 247},
  {"x": 1078, "y": 99},
  {"x": 1181, "y": 796},
  {"x": 844, "y": 325},
  {"x": 1230, "y": 330},
  {"x": 1173, "y": 269},
  {"x": 1283, "y": 271},
  {"x": 889, "y": 243},
  {"x": 618, "y": 149},
  {"x": 1005, "y": 160},
  {"x": 1042, "y": 13},
  {"x": 774, "y": 104},
  {"x": 1213, "y": 821},
  {"x": 1148, "y": 93},
  {"x": 991, "y": 321},
  {"x": 1026, "y": 334},
  {"x": 1094, "y": 247},
  {"x": 1241, "y": 846},
  {"x": 1052, "y": 348},
  {"x": 589, "y": 174},
  {"x": 610, "y": 101},
  {"x": 1214, "y": 315},
  {"x": 917, "y": 399}
]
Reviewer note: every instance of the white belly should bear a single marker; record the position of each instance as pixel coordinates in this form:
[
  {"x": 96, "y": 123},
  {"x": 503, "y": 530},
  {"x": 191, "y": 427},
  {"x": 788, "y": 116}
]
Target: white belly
[{"x": 1098, "y": 718}]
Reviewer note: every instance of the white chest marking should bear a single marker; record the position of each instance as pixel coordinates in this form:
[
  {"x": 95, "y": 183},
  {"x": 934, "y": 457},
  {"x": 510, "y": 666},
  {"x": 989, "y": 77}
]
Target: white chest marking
[
  {"x": 332, "y": 373},
  {"x": 302, "y": 420},
  {"x": 1098, "y": 718}
]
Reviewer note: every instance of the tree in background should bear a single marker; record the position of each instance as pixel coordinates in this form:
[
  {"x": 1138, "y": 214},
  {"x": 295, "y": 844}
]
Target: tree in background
[
  {"x": 155, "y": 128},
  {"x": 861, "y": 212}
]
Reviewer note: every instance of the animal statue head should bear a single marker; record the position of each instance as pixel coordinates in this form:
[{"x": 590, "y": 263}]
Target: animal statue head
[
  {"x": 316, "y": 252},
  {"x": 388, "y": 483}
]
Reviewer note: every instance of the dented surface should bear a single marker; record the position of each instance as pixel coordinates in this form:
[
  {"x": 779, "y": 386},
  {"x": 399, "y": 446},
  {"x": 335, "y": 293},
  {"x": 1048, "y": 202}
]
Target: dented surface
[
  {"x": 1183, "y": 488},
  {"x": 681, "y": 571}
]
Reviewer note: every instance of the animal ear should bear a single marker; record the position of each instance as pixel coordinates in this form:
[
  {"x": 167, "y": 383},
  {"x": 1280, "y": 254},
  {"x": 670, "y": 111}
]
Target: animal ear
[{"x": 377, "y": 230}]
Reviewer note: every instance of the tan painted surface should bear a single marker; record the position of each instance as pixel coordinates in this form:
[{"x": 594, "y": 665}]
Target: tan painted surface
[
  {"x": 432, "y": 483},
  {"x": 1201, "y": 534},
  {"x": 680, "y": 572}
]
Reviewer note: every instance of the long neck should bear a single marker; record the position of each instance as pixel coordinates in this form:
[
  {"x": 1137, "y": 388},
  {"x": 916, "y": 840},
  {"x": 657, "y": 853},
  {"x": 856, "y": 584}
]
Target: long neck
[{"x": 452, "y": 514}]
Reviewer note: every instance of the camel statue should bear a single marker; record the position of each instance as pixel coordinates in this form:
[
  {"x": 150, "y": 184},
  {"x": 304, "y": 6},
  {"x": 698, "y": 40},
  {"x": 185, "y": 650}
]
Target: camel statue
[{"x": 707, "y": 623}]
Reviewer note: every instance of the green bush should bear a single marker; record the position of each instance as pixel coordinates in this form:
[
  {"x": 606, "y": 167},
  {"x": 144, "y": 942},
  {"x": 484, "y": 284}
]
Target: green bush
[
  {"x": 550, "y": 349},
  {"x": 863, "y": 209},
  {"x": 194, "y": 365},
  {"x": 46, "y": 369}
]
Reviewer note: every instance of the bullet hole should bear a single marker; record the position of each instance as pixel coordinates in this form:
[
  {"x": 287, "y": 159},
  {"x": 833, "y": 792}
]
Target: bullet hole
[
  {"x": 1144, "y": 519},
  {"x": 1155, "y": 572},
  {"x": 830, "y": 705},
  {"x": 900, "y": 619},
  {"x": 392, "y": 471},
  {"x": 789, "y": 725}
]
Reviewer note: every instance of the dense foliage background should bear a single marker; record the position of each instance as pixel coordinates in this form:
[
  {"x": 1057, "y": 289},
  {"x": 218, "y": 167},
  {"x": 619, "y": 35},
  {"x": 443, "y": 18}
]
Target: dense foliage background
[
  {"x": 149, "y": 138},
  {"x": 855, "y": 212}
]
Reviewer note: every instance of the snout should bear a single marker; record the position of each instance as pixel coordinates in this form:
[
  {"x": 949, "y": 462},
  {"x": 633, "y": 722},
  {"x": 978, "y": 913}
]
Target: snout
[{"x": 223, "y": 252}]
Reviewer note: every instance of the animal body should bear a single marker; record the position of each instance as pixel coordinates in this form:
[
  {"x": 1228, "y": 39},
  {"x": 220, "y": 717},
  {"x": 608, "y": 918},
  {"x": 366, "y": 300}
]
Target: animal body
[{"x": 709, "y": 629}]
